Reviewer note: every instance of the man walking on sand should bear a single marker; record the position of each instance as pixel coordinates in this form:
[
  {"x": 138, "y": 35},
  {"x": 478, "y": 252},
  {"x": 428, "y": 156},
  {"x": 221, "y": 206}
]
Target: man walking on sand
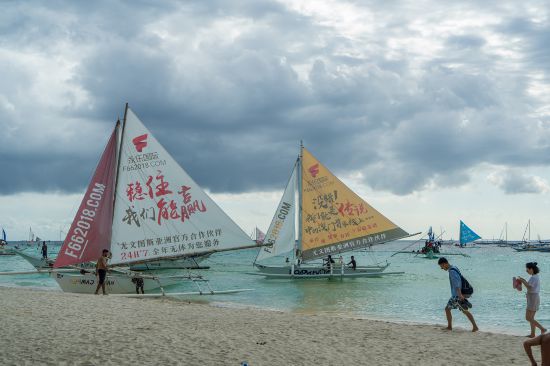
[
  {"x": 101, "y": 267},
  {"x": 457, "y": 300}
]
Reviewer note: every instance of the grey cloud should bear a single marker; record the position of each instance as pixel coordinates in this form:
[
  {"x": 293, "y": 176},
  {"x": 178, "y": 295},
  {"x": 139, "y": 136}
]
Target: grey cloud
[
  {"x": 230, "y": 88},
  {"x": 466, "y": 41},
  {"x": 512, "y": 181}
]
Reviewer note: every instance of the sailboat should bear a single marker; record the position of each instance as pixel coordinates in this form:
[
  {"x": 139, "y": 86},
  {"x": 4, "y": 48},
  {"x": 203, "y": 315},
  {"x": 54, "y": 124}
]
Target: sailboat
[
  {"x": 31, "y": 237},
  {"x": 431, "y": 248},
  {"x": 328, "y": 218},
  {"x": 467, "y": 235},
  {"x": 258, "y": 235},
  {"x": 3, "y": 245},
  {"x": 143, "y": 207},
  {"x": 528, "y": 245}
]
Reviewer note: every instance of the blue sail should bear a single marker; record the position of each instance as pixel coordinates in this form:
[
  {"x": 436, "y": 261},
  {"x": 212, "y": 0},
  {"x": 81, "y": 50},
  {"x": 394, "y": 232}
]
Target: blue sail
[
  {"x": 431, "y": 236},
  {"x": 466, "y": 234},
  {"x": 3, "y": 235}
]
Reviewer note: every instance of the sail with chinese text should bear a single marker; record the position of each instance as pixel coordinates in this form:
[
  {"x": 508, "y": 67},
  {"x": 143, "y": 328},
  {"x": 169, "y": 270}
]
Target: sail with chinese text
[
  {"x": 334, "y": 218},
  {"x": 160, "y": 211},
  {"x": 280, "y": 236},
  {"x": 90, "y": 230}
]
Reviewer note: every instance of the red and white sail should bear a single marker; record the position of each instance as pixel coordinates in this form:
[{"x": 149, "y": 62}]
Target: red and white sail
[
  {"x": 90, "y": 231},
  {"x": 159, "y": 210}
]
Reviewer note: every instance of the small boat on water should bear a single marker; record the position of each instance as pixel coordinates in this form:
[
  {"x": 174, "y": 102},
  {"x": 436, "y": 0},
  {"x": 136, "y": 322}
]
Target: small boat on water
[
  {"x": 432, "y": 248},
  {"x": 532, "y": 246},
  {"x": 329, "y": 219},
  {"x": 4, "y": 250}
]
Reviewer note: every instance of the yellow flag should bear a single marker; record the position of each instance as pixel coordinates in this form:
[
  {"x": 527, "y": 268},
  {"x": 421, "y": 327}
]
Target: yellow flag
[{"x": 334, "y": 218}]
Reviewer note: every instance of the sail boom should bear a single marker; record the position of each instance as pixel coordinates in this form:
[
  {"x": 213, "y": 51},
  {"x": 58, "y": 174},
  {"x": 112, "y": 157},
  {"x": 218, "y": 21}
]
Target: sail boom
[
  {"x": 193, "y": 254},
  {"x": 354, "y": 244}
]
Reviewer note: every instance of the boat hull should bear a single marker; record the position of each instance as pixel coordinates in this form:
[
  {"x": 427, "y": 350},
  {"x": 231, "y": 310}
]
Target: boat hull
[
  {"x": 114, "y": 283},
  {"x": 319, "y": 271},
  {"x": 544, "y": 250},
  {"x": 46, "y": 263}
]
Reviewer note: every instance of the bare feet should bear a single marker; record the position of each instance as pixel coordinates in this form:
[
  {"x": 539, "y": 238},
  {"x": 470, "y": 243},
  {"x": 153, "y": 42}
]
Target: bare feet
[
  {"x": 475, "y": 329},
  {"x": 530, "y": 336},
  {"x": 448, "y": 328}
]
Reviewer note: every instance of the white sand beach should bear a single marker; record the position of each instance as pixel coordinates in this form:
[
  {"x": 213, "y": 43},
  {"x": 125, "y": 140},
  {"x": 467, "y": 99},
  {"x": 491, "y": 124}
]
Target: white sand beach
[{"x": 54, "y": 328}]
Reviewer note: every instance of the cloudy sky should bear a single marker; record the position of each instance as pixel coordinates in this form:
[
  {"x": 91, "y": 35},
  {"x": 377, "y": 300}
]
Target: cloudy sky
[{"x": 433, "y": 111}]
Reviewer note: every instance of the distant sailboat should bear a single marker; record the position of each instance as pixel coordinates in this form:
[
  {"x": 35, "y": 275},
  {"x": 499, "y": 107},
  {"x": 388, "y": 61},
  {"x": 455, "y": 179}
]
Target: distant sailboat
[
  {"x": 31, "y": 237},
  {"x": 3, "y": 245},
  {"x": 467, "y": 235},
  {"x": 258, "y": 236},
  {"x": 431, "y": 249},
  {"x": 143, "y": 207},
  {"x": 329, "y": 219},
  {"x": 528, "y": 245}
]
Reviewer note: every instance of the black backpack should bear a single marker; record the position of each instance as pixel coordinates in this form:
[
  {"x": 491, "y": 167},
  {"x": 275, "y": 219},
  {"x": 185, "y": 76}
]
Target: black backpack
[{"x": 465, "y": 288}]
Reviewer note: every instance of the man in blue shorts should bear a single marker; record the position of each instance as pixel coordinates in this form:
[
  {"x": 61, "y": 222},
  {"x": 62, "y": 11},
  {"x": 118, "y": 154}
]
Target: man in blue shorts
[{"x": 457, "y": 300}]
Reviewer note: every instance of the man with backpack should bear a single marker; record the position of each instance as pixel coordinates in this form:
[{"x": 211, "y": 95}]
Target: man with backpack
[{"x": 460, "y": 289}]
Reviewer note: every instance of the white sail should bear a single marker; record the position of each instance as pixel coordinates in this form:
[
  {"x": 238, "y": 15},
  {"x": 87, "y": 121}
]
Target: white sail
[
  {"x": 159, "y": 210},
  {"x": 281, "y": 233}
]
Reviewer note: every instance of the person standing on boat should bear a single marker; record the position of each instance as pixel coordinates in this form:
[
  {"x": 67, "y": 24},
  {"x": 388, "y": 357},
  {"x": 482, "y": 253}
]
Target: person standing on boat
[
  {"x": 101, "y": 269},
  {"x": 330, "y": 261},
  {"x": 353, "y": 263},
  {"x": 457, "y": 300},
  {"x": 44, "y": 250},
  {"x": 533, "y": 298}
]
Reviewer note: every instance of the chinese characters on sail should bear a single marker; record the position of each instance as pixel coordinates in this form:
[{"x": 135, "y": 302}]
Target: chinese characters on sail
[
  {"x": 169, "y": 245},
  {"x": 164, "y": 204},
  {"x": 336, "y": 219}
]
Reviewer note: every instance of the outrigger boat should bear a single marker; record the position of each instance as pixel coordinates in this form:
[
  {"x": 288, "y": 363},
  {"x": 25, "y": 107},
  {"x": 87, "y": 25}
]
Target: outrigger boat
[
  {"x": 431, "y": 249},
  {"x": 143, "y": 207},
  {"x": 330, "y": 219}
]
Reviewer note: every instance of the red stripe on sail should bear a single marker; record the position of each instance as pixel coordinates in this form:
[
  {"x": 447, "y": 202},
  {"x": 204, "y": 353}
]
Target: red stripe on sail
[{"x": 90, "y": 231}]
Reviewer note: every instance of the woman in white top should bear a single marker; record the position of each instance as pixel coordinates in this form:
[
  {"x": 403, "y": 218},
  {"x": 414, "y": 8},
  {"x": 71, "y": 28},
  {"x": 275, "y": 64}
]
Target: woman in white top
[{"x": 533, "y": 298}]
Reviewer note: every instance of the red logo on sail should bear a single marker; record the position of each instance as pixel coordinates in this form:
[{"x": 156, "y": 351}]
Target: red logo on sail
[
  {"x": 314, "y": 170},
  {"x": 140, "y": 142}
]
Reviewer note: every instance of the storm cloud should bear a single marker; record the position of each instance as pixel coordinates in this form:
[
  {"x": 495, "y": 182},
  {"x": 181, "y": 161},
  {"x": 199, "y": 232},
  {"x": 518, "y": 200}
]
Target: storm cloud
[{"x": 408, "y": 94}]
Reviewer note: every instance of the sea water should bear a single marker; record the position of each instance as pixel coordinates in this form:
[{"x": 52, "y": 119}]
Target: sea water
[{"x": 419, "y": 295}]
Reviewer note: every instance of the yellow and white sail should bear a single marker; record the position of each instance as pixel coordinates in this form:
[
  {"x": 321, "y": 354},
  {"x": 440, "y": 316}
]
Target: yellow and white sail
[{"x": 334, "y": 219}]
